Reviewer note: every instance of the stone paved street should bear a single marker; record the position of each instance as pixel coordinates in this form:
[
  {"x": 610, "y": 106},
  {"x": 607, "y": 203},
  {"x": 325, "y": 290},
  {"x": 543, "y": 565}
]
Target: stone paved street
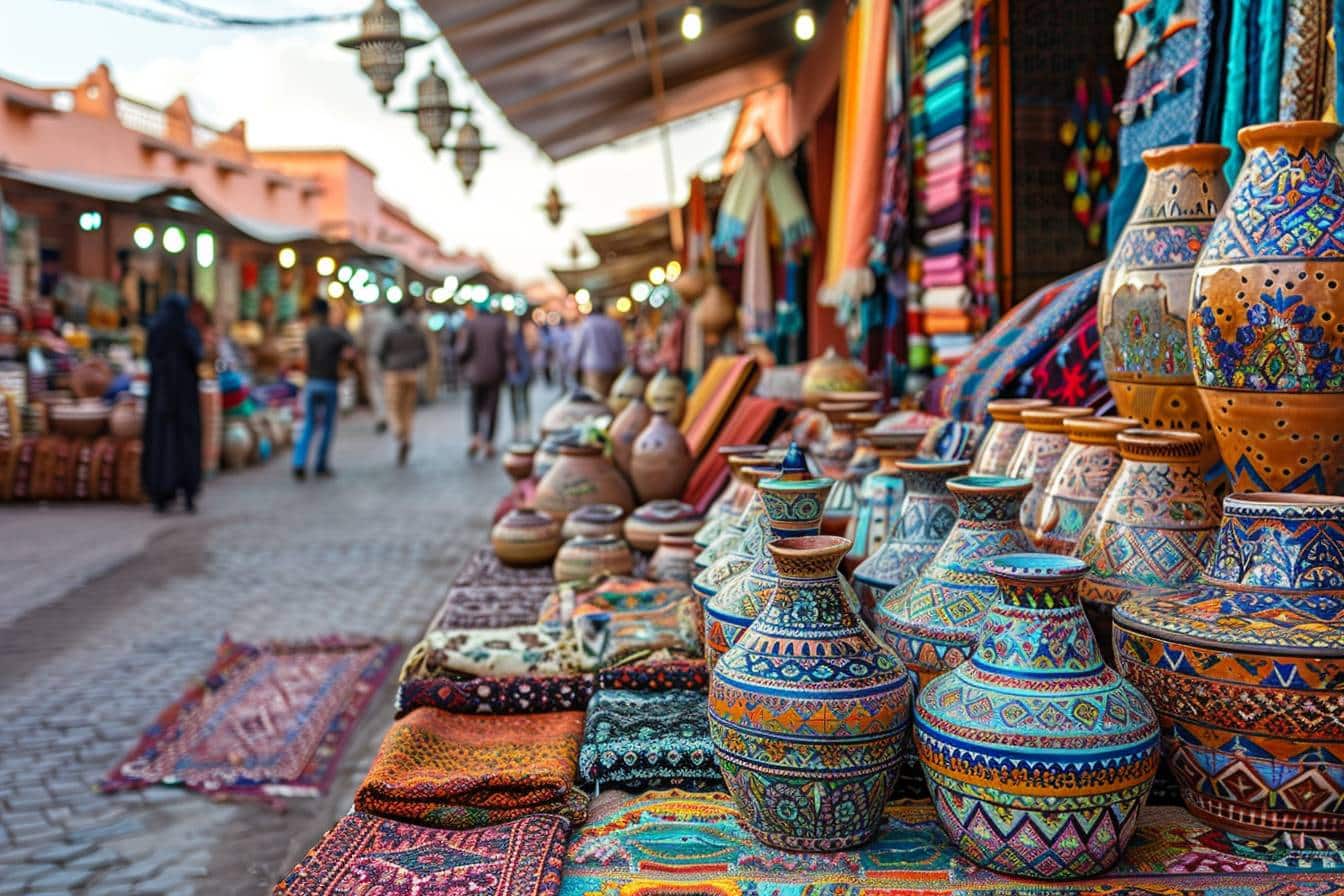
[{"x": 116, "y": 610}]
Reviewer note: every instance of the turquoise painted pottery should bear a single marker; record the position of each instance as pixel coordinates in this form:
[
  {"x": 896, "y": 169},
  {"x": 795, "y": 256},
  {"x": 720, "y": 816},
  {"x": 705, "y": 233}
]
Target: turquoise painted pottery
[
  {"x": 1038, "y": 756},
  {"x": 808, "y": 710},
  {"x": 1246, "y": 670},
  {"x": 732, "y": 500},
  {"x": 881, "y": 493},
  {"x": 1039, "y": 453},
  {"x": 792, "y": 509},
  {"x": 926, "y": 517},
  {"x": 933, "y": 623}
]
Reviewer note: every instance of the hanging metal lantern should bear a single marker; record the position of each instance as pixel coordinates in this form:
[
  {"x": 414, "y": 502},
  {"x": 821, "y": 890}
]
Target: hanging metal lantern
[
  {"x": 382, "y": 47},
  {"x": 434, "y": 108},
  {"x": 467, "y": 151},
  {"x": 554, "y": 207}
]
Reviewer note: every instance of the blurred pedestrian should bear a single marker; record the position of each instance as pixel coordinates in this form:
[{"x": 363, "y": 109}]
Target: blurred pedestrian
[
  {"x": 327, "y": 348},
  {"x": 377, "y": 320},
  {"x": 521, "y": 371},
  {"x": 483, "y": 349},
  {"x": 402, "y": 355},
  {"x": 171, "y": 462},
  {"x": 599, "y": 351}
]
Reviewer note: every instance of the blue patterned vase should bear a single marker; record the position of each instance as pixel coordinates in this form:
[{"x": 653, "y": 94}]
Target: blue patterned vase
[
  {"x": 933, "y": 623},
  {"x": 1039, "y": 453},
  {"x": 808, "y": 710},
  {"x": 1038, "y": 756},
  {"x": 1005, "y": 433},
  {"x": 730, "y": 503},
  {"x": 882, "y": 492},
  {"x": 1246, "y": 670}
]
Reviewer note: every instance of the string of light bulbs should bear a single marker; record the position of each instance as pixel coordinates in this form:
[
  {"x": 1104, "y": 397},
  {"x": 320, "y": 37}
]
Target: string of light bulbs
[{"x": 693, "y": 23}]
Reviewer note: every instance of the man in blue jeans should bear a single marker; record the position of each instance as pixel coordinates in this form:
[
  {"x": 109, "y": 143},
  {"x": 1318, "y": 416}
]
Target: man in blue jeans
[{"x": 327, "y": 346}]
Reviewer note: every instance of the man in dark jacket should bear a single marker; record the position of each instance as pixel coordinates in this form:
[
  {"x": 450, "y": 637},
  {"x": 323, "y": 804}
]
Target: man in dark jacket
[
  {"x": 402, "y": 353},
  {"x": 483, "y": 350}
]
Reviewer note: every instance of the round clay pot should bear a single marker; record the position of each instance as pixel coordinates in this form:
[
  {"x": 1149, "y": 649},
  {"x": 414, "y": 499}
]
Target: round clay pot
[
  {"x": 238, "y": 444},
  {"x": 1080, "y": 479},
  {"x": 660, "y": 461},
  {"x": 627, "y": 426},
  {"x": 832, "y": 373},
  {"x": 657, "y": 518},
  {"x": 584, "y": 558},
  {"x": 575, "y": 408},
  {"x": 627, "y": 387},
  {"x": 581, "y": 475},
  {"x": 674, "y": 559},
  {"x": 83, "y": 419},
  {"x": 715, "y": 311},
  {"x": 91, "y": 378},
  {"x": 518, "y": 460},
  {"x": 666, "y": 394},
  {"x": 1004, "y": 435},
  {"x": 525, "y": 537},
  {"x": 127, "y": 420},
  {"x": 593, "y": 521}
]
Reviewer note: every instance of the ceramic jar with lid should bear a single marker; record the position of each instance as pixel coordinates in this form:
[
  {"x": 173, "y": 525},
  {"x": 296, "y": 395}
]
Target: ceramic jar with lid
[
  {"x": 1086, "y": 468},
  {"x": 660, "y": 460},
  {"x": 832, "y": 373},
  {"x": 650, "y": 522},
  {"x": 1004, "y": 435},
  {"x": 1038, "y": 453}
]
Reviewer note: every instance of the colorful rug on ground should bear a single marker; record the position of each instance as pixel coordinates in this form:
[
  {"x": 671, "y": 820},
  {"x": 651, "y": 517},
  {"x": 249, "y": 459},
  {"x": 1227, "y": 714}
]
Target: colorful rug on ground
[
  {"x": 671, "y": 841},
  {"x": 460, "y": 771},
  {"x": 364, "y": 854},
  {"x": 267, "y": 721}
]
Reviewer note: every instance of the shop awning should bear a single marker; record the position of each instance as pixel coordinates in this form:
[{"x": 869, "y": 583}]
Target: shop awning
[
  {"x": 93, "y": 186},
  {"x": 575, "y": 74}
]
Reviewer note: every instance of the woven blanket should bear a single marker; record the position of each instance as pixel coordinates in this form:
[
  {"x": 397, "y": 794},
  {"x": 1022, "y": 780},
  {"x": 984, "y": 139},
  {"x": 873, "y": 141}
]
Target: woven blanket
[
  {"x": 503, "y": 696},
  {"x": 484, "y": 568},
  {"x": 459, "y": 771},
  {"x": 638, "y": 740},
  {"x": 607, "y": 594},
  {"x": 523, "y": 650},
  {"x": 673, "y": 841},
  {"x": 728, "y": 379},
  {"x": 665, "y": 675},
  {"x": 269, "y": 720},
  {"x": 490, "y": 606},
  {"x": 370, "y": 855},
  {"x": 753, "y": 420}
]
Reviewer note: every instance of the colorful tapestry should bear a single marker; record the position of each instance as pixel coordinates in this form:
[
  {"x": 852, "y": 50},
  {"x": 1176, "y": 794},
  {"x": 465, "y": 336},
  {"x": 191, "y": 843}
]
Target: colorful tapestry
[
  {"x": 1071, "y": 373},
  {"x": 665, "y": 675},
  {"x": 365, "y": 854},
  {"x": 1306, "y": 60},
  {"x": 501, "y": 696},
  {"x": 458, "y": 771},
  {"x": 524, "y": 650},
  {"x": 490, "y": 606},
  {"x": 483, "y": 568},
  {"x": 269, "y": 720},
  {"x": 694, "y": 843},
  {"x": 753, "y": 421},
  {"x": 637, "y": 740},
  {"x": 609, "y": 594}
]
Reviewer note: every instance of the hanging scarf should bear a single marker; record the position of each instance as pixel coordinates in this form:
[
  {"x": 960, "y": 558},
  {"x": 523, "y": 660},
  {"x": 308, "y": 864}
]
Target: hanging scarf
[
  {"x": 757, "y": 298},
  {"x": 763, "y": 175}
]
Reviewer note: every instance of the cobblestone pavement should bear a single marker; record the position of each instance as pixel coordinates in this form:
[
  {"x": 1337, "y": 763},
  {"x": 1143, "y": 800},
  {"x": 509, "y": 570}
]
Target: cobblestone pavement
[{"x": 83, "y": 669}]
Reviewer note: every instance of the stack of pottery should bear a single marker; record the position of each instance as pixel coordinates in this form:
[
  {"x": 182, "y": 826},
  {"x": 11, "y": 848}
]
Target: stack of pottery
[
  {"x": 1144, "y": 300},
  {"x": 581, "y": 475},
  {"x": 1267, "y": 316},
  {"x": 586, "y": 558},
  {"x": 573, "y": 410},
  {"x": 1245, "y": 670},
  {"x": 934, "y": 623},
  {"x": 840, "y": 451},
  {"x": 841, "y": 438},
  {"x": 1080, "y": 479},
  {"x": 625, "y": 429},
  {"x": 881, "y": 493},
  {"x": 626, "y": 388},
  {"x": 926, "y": 517},
  {"x": 673, "y": 560},
  {"x": 808, "y": 711},
  {"x": 1004, "y": 435},
  {"x": 650, "y": 522},
  {"x": 1038, "y": 453},
  {"x": 666, "y": 394},
  {"x": 660, "y": 460},
  {"x": 525, "y": 537},
  {"x": 1037, "y": 755},
  {"x": 832, "y": 373},
  {"x": 594, "y": 521},
  {"x": 734, "y": 499},
  {"x": 82, "y": 419},
  {"x": 1153, "y": 528}
]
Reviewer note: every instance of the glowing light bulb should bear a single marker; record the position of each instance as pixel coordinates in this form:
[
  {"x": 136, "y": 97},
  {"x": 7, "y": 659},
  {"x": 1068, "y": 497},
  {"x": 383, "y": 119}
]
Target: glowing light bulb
[
  {"x": 804, "y": 25},
  {"x": 692, "y": 22}
]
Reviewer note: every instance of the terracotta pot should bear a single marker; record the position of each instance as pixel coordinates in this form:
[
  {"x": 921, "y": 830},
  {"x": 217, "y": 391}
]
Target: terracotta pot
[
  {"x": 584, "y": 558},
  {"x": 238, "y": 444},
  {"x": 127, "y": 420},
  {"x": 649, "y": 523},
  {"x": 802, "y": 784},
  {"x": 660, "y": 460},
  {"x": 83, "y": 419},
  {"x": 673, "y": 560},
  {"x": 581, "y": 475},
  {"x": 572, "y": 410},
  {"x": 1153, "y": 527},
  {"x": 1038, "y": 453},
  {"x": 1267, "y": 322},
  {"x": 91, "y": 378},
  {"x": 691, "y": 285},
  {"x": 1144, "y": 301},
  {"x": 715, "y": 311},
  {"x": 1087, "y": 466},
  {"x": 832, "y": 373},
  {"x": 1244, "y": 668},
  {"x": 666, "y": 394},
  {"x": 1047, "y": 784},
  {"x": 627, "y": 426},
  {"x": 525, "y": 537},
  {"x": 1004, "y": 435},
  {"x": 627, "y": 387},
  {"x": 593, "y": 521},
  {"x": 549, "y": 451},
  {"x": 518, "y": 460}
]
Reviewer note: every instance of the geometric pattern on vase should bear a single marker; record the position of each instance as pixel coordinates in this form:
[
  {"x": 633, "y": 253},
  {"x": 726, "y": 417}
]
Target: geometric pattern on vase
[
  {"x": 1038, "y": 454},
  {"x": 882, "y": 492},
  {"x": 1004, "y": 435},
  {"x": 1080, "y": 479}
]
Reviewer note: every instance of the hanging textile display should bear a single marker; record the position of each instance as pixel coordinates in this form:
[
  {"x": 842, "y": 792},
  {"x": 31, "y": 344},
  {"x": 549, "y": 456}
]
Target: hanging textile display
[
  {"x": 763, "y": 181},
  {"x": 981, "y": 145},
  {"x": 757, "y": 293},
  {"x": 1089, "y": 172}
]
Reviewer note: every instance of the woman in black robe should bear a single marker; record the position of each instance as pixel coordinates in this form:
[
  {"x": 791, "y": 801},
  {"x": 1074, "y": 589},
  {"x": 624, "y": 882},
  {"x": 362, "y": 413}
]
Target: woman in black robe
[{"x": 172, "y": 458}]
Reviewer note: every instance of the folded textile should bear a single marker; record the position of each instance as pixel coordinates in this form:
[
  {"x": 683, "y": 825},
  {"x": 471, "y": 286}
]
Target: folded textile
[
  {"x": 942, "y": 22},
  {"x": 954, "y": 137},
  {"x": 664, "y": 675},
  {"x": 524, "y": 650},
  {"x": 940, "y": 280},
  {"x": 937, "y": 322},
  {"x": 495, "y": 695},
  {"x": 363, "y": 853},
  {"x": 490, "y": 606},
  {"x": 727, "y": 381},
  {"x": 944, "y": 235},
  {"x": 607, "y": 594},
  {"x": 483, "y": 567},
  {"x": 638, "y": 740},
  {"x": 941, "y": 73},
  {"x": 948, "y": 157},
  {"x": 753, "y": 420},
  {"x": 454, "y": 771},
  {"x": 947, "y": 298}
]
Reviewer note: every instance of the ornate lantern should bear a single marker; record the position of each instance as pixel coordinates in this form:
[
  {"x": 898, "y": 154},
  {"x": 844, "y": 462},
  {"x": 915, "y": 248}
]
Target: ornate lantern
[
  {"x": 467, "y": 151},
  {"x": 434, "y": 108},
  {"x": 554, "y": 207},
  {"x": 382, "y": 47}
]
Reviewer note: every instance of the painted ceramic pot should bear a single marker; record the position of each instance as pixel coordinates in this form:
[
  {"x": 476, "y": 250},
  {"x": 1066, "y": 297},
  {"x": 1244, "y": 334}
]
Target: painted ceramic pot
[
  {"x": 581, "y": 475},
  {"x": 666, "y": 394},
  {"x": 808, "y": 710},
  {"x": 625, "y": 429},
  {"x": 673, "y": 560},
  {"x": 1153, "y": 528},
  {"x": 842, "y": 435},
  {"x": 1039, "y": 453},
  {"x": 1267, "y": 322},
  {"x": 792, "y": 509},
  {"x": 518, "y": 460},
  {"x": 1144, "y": 301},
  {"x": 127, "y": 420},
  {"x": 934, "y": 623},
  {"x": 548, "y": 452},
  {"x": 572, "y": 410},
  {"x": 832, "y": 373},
  {"x": 626, "y": 388},
  {"x": 660, "y": 460},
  {"x": 728, "y": 543},
  {"x": 594, "y": 521},
  {"x": 882, "y": 491},
  {"x": 525, "y": 537},
  {"x": 237, "y": 445},
  {"x": 926, "y": 517},
  {"x": 585, "y": 558},
  {"x": 1004, "y": 435},
  {"x": 1245, "y": 670},
  {"x": 728, "y": 506},
  {"x": 1028, "y": 778},
  {"x": 657, "y": 518},
  {"x": 1080, "y": 479}
]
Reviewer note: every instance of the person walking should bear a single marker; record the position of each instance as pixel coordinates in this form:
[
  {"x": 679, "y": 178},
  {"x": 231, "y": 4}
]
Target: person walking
[
  {"x": 599, "y": 352},
  {"x": 402, "y": 355},
  {"x": 377, "y": 321},
  {"x": 521, "y": 370},
  {"x": 327, "y": 346},
  {"x": 483, "y": 348},
  {"x": 171, "y": 462}
]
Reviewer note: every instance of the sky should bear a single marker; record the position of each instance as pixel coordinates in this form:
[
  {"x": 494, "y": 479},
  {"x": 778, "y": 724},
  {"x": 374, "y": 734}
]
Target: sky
[{"x": 296, "y": 88}]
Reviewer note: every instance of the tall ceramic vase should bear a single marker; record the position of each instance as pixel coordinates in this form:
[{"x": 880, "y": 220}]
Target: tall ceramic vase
[
  {"x": 1246, "y": 667},
  {"x": 734, "y": 499},
  {"x": 808, "y": 710},
  {"x": 1004, "y": 435},
  {"x": 1267, "y": 322},
  {"x": 1080, "y": 479},
  {"x": 1039, "y": 453},
  {"x": 1037, "y": 755},
  {"x": 1144, "y": 302},
  {"x": 881, "y": 494},
  {"x": 934, "y": 623}
]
